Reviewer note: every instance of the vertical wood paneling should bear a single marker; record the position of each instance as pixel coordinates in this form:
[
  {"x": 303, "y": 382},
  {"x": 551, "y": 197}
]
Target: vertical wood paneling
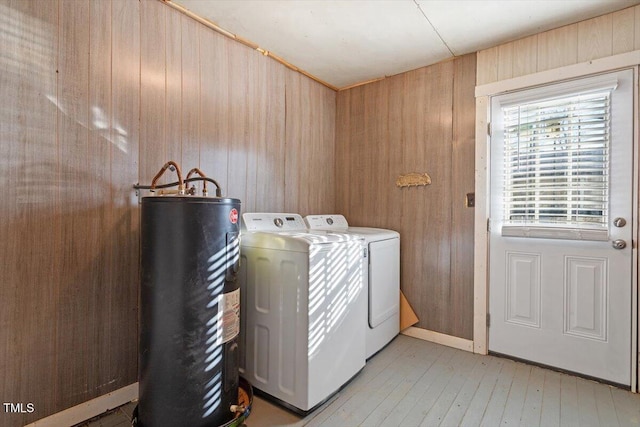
[
  {"x": 343, "y": 158},
  {"x": 292, "y": 164},
  {"x": 434, "y": 217},
  {"x": 487, "y": 66},
  {"x": 30, "y": 212},
  {"x": 525, "y": 56},
  {"x": 383, "y": 177},
  {"x": 463, "y": 179},
  {"x": 353, "y": 148},
  {"x": 356, "y": 146},
  {"x": 10, "y": 162},
  {"x": 153, "y": 78},
  {"x": 97, "y": 185},
  {"x": 377, "y": 209},
  {"x": 595, "y": 38},
  {"x": 396, "y": 140},
  {"x": 557, "y": 48},
  {"x": 215, "y": 110},
  {"x": 414, "y": 200},
  {"x": 325, "y": 146},
  {"x": 171, "y": 119},
  {"x": 623, "y": 30},
  {"x": 122, "y": 293},
  {"x": 309, "y": 152},
  {"x": 505, "y": 61},
  {"x": 190, "y": 84},
  {"x": 238, "y": 173},
  {"x": 238, "y": 104},
  {"x": 406, "y": 124},
  {"x": 254, "y": 126},
  {"x": 78, "y": 225},
  {"x": 270, "y": 185}
]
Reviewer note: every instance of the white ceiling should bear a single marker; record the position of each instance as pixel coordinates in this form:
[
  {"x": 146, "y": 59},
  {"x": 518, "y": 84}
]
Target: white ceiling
[{"x": 344, "y": 42}]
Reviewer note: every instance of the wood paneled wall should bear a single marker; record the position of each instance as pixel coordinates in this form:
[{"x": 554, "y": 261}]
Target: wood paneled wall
[
  {"x": 98, "y": 95},
  {"x": 603, "y": 36},
  {"x": 420, "y": 121}
]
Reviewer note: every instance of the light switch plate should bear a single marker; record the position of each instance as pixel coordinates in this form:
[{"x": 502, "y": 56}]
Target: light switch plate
[{"x": 470, "y": 201}]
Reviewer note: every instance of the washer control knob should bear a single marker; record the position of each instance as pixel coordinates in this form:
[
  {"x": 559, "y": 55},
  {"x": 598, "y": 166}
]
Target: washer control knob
[{"x": 278, "y": 222}]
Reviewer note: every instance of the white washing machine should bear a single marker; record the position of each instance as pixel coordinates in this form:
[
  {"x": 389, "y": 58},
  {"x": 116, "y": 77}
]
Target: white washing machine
[
  {"x": 383, "y": 277},
  {"x": 302, "y": 297}
]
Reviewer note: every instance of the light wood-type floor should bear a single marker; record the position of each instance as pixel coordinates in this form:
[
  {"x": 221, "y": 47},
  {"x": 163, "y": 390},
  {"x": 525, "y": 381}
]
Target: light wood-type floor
[{"x": 413, "y": 382}]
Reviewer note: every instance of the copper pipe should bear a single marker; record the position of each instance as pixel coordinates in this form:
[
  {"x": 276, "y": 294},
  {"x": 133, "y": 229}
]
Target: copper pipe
[
  {"x": 199, "y": 172},
  {"x": 173, "y": 184},
  {"x": 164, "y": 168}
]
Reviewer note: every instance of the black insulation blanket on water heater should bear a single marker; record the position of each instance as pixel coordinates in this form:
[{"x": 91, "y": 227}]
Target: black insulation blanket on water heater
[{"x": 189, "y": 303}]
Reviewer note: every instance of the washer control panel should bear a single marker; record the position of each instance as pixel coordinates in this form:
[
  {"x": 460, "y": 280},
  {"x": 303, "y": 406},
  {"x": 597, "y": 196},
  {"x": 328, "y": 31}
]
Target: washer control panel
[
  {"x": 326, "y": 222},
  {"x": 273, "y": 222}
]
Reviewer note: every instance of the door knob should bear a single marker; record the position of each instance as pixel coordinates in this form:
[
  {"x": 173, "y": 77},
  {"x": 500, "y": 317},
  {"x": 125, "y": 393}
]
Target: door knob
[
  {"x": 619, "y": 222},
  {"x": 619, "y": 244}
]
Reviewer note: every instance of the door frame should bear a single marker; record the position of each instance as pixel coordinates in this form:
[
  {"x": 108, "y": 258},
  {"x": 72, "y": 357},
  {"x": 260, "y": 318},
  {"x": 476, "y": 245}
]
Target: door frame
[{"x": 483, "y": 95}]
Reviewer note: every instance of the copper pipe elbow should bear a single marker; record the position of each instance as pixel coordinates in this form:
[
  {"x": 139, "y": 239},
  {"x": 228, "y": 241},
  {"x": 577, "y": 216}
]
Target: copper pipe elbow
[
  {"x": 162, "y": 171},
  {"x": 199, "y": 172}
]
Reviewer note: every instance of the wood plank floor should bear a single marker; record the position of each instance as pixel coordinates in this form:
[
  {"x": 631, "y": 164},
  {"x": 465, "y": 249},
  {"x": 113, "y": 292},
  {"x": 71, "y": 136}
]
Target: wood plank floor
[{"x": 418, "y": 383}]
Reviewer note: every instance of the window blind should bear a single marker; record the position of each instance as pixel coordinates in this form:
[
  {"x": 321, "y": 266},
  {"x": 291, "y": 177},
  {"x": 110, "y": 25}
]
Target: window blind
[{"x": 556, "y": 155}]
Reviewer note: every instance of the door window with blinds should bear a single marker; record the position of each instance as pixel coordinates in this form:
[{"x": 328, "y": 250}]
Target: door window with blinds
[{"x": 555, "y": 159}]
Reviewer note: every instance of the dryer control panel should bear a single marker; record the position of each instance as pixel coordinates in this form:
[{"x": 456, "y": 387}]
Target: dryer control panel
[
  {"x": 273, "y": 222},
  {"x": 326, "y": 222}
]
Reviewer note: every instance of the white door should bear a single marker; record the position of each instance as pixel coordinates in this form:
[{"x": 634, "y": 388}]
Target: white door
[{"x": 561, "y": 214}]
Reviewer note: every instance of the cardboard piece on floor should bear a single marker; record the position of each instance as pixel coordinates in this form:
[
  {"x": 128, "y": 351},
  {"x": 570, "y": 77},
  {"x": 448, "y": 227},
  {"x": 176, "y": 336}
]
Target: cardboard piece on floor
[{"x": 407, "y": 315}]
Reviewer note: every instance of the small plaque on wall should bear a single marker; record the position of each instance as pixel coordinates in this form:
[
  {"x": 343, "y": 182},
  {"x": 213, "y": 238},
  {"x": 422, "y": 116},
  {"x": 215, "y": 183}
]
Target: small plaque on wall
[{"x": 413, "y": 179}]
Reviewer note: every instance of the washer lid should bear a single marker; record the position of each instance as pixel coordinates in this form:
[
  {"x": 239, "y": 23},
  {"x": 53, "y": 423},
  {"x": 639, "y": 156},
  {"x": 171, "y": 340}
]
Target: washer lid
[
  {"x": 298, "y": 241},
  {"x": 374, "y": 234},
  {"x": 339, "y": 223}
]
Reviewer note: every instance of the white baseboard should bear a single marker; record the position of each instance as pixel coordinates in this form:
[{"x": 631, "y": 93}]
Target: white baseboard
[
  {"x": 90, "y": 409},
  {"x": 438, "y": 338}
]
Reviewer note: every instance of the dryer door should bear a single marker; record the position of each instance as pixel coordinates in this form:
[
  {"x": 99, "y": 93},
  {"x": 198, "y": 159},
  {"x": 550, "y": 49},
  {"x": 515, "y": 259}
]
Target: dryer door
[{"x": 384, "y": 280}]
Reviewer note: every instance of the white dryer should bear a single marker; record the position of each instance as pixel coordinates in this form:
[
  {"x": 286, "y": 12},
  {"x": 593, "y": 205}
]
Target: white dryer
[
  {"x": 383, "y": 277},
  {"x": 302, "y": 295}
]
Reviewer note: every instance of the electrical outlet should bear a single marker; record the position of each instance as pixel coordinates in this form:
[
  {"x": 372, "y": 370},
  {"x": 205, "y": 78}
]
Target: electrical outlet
[{"x": 470, "y": 201}]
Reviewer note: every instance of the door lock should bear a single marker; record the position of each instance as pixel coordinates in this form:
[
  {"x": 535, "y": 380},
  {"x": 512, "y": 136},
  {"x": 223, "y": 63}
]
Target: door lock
[
  {"x": 619, "y": 222},
  {"x": 619, "y": 244}
]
